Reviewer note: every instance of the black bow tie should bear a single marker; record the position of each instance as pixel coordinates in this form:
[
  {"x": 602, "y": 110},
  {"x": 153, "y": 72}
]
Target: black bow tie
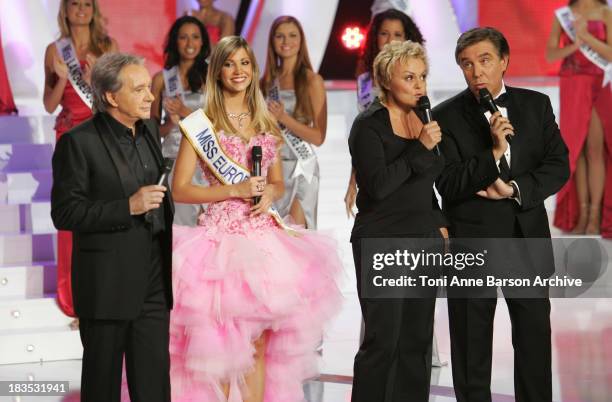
[{"x": 502, "y": 100}]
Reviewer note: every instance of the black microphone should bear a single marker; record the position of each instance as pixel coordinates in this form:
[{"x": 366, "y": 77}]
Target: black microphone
[
  {"x": 425, "y": 107},
  {"x": 165, "y": 171},
  {"x": 256, "y": 167},
  {"x": 486, "y": 100}
]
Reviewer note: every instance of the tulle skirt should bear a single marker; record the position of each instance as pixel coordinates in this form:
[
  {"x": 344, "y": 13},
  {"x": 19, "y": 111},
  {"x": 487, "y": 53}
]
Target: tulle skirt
[{"x": 228, "y": 289}]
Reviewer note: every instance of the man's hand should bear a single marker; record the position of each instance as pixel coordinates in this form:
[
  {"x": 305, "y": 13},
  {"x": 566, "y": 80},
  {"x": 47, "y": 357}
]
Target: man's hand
[
  {"x": 500, "y": 127},
  {"x": 444, "y": 233},
  {"x": 498, "y": 190},
  {"x": 146, "y": 199}
]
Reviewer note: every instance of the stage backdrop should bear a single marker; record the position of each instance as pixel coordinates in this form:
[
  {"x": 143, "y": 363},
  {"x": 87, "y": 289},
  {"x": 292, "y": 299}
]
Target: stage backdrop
[
  {"x": 526, "y": 24},
  {"x": 140, "y": 27}
]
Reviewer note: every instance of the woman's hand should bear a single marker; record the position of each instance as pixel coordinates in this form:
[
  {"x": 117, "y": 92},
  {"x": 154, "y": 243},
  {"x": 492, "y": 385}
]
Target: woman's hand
[
  {"x": 60, "y": 68},
  {"x": 580, "y": 24},
  {"x": 350, "y": 197},
  {"x": 253, "y": 187},
  {"x": 431, "y": 135},
  {"x": 177, "y": 107},
  {"x": 264, "y": 204},
  {"x": 277, "y": 109},
  {"x": 174, "y": 118},
  {"x": 90, "y": 60}
]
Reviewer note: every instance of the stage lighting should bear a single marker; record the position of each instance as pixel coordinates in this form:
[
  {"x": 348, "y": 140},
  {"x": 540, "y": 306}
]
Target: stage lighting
[{"x": 352, "y": 37}]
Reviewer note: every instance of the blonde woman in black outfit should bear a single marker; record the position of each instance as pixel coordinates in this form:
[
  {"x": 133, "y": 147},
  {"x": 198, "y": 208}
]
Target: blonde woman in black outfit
[{"x": 391, "y": 151}]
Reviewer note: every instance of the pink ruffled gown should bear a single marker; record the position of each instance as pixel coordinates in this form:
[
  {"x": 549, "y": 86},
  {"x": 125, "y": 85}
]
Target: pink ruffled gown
[{"x": 235, "y": 277}]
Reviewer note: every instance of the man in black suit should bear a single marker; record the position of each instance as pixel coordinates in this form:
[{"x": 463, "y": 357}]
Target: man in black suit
[
  {"x": 104, "y": 175},
  {"x": 493, "y": 188}
]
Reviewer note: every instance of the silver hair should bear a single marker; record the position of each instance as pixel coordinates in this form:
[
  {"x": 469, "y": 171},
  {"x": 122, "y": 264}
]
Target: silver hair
[{"x": 105, "y": 76}]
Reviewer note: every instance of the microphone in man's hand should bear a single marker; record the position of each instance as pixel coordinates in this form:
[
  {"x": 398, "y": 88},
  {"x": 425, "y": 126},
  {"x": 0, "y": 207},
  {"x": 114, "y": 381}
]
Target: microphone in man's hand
[
  {"x": 425, "y": 106},
  {"x": 256, "y": 167},
  {"x": 166, "y": 169},
  {"x": 486, "y": 100}
]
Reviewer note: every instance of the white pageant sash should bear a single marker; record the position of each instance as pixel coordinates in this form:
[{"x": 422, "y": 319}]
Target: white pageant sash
[
  {"x": 75, "y": 74},
  {"x": 302, "y": 150},
  {"x": 382, "y": 5},
  {"x": 566, "y": 20},
  {"x": 365, "y": 91},
  {"x": 200, "y": 133},
  {"x": 172, "y": 83}
]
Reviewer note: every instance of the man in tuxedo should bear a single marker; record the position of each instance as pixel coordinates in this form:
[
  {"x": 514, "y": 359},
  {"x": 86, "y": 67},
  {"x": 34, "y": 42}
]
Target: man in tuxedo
[
  {"x": 499, "y": 170},
  {"x": 104, "y": 191}
]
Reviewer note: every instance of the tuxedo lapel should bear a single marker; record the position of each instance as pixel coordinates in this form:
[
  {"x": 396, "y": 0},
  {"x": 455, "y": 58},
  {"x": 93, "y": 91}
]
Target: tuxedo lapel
[
  {"x": 514, "y": 115},
  {"x": 126, "y": 176},
  {"x": 476, "y": 119}
]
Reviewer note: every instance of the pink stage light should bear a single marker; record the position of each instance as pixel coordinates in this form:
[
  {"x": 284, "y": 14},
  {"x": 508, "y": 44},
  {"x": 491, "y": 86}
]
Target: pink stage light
[{"x": 352, "y": 37}]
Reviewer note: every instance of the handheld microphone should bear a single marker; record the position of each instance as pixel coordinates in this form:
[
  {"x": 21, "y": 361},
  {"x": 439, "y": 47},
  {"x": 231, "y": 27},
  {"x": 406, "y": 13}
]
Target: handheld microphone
[
  {"x": 256, "y": 167},
  {"x": 166, "y": 169},
  {"x": 486, "y": 100},
  {"x": 425, "y": 106}
]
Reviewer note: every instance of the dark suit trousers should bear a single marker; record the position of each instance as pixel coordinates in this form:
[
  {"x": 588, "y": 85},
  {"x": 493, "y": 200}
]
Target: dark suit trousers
[
  {"x": 471, "y": 329},
  {"x": 394, "y": 360},
  {"x": 144, "y": 343}
]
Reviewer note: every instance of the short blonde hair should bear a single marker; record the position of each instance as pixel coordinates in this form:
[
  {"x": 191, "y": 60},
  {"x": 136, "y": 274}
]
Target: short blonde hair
[{"x": 391, "y": 54}]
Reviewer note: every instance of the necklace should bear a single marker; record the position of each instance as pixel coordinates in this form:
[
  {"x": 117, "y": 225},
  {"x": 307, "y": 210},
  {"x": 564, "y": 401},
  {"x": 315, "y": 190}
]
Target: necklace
[{"x": 239, "y": 117}]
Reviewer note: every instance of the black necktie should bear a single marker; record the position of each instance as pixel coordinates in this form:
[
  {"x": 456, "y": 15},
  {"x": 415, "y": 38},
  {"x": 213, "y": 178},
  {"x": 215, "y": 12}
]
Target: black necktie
[{"x": 504, "y": 169}]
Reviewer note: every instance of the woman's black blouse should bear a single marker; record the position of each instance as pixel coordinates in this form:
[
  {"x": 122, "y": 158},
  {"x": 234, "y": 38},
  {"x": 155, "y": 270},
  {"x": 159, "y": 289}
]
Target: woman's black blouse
[{"x": 395, "y": 177}]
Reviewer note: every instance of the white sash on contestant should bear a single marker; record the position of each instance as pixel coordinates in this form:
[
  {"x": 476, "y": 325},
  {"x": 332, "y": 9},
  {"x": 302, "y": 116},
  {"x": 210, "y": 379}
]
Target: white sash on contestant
[
  {"x": 302, "y": 150},
  {"x": 75, "y": 74},
  {"x": 382, "y": 5},
  {"x": 172, "y": 83},
  {"x": 200, "y": 133},
  {"x": 366, "y": 92},
  {"x": 566, "y": 20}
]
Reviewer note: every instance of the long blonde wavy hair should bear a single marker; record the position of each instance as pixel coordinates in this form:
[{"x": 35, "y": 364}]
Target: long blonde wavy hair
[
  {"x": 100, "y": 42},
  {"x": 261, "y": 119}
]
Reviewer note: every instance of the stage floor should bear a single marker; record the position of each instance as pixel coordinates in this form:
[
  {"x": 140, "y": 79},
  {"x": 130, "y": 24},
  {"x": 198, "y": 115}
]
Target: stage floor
[{"x": 582, "y": 356}]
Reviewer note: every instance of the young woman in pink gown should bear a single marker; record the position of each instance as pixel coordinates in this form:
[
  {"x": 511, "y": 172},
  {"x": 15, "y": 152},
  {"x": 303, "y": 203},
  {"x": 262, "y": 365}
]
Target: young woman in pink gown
[
  {"x": 584, "y": 204},
  {"x": 250, "y": 298},
  {"x": 82, "y": 22}
]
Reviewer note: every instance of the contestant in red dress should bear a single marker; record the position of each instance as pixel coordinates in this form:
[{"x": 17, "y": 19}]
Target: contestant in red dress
[
  {"x": 81, "y": 24},
  {"x": 219, "y": 24},
  {"x": 584, "y": 206}
]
